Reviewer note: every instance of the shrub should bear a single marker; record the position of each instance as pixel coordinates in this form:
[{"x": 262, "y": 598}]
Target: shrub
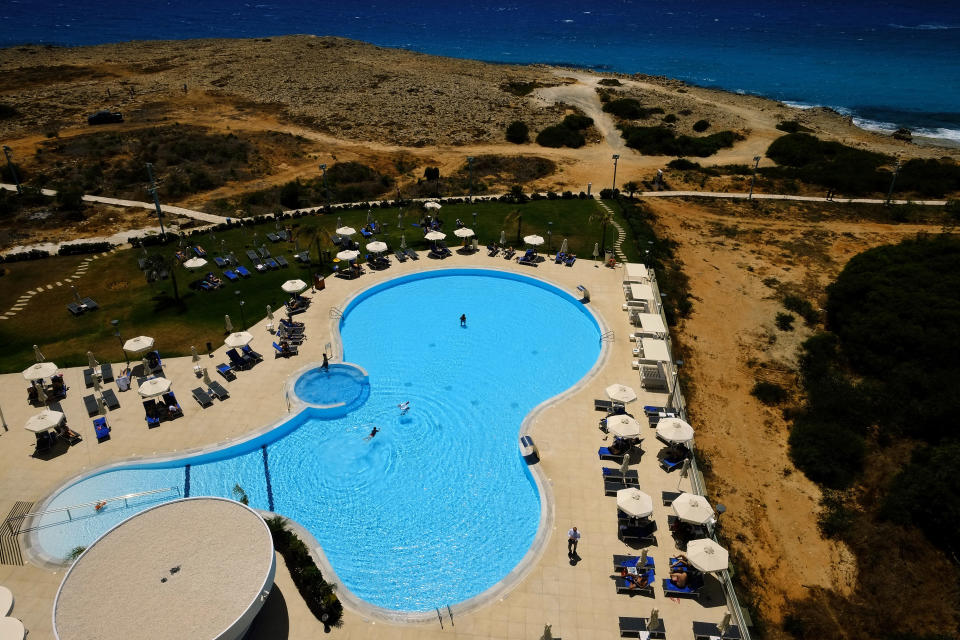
[
  {"x": 835, "y": 519},
  {"x": 70, "y": 197},
  {"x": 660, "y": 141},
  {"x": 830, "y": 164},
  {"x": 791, "y": 126},
  {"x": 769, "y": 393},
  {"x": 670, "y": 118},
  {"x": 784, "y": 321},
  {"x": 577, "y": 121},
  {"x": 609, "y": 82},
  {"x": 802, "y": 308},
  {"x": 929, "y": 178},
  {"x": 932, "y": 471},
  {"x": 518, "y": 132},
  {"x": 701, "y": 125},
  {"x": 826, "y": 452},
  {"x": 7, "y": 111},
  {"x": 560, "y": 136},
  {"x": 629, "y": 109},
  {"x": 519, "y": 88},
  {"x": 682, "y": 164}
]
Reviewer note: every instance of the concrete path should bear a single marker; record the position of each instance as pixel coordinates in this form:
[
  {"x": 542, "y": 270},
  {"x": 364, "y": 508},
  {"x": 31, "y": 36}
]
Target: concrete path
[{"x": 23, "y": 300}]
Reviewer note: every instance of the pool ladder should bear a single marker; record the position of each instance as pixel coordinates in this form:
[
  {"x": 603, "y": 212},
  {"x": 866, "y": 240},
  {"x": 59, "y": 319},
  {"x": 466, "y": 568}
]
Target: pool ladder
[
  {"x": 440, "y": 616},
  {"x": 607, "y": 337},
  {"x": 336, "y": 313}
]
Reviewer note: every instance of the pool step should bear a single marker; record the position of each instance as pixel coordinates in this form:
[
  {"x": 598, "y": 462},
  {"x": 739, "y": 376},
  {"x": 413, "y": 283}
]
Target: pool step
[
  {"x": 9, "y": 543},
  {"x": 266, "y": 474}
]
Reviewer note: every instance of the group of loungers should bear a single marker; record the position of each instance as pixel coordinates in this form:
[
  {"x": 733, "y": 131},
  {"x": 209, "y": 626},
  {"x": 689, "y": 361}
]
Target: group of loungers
[
  {"x": 439, "y": 250},
  {"x": 291, "y": 335},
  {"x": 168, "y": 408},
  {"x": 241, "y": 360},
  {"x": 214, "y": 390}
]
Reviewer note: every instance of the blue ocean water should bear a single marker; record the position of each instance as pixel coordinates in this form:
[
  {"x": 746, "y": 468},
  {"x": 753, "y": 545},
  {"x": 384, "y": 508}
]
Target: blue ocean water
[{"x": 883, "y": 61}]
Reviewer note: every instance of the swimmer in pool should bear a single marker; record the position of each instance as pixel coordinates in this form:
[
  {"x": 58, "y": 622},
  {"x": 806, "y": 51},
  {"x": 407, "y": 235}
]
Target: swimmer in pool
[
  {"x": 404, "y": 407},
  {"x": 372, "y": 433}
]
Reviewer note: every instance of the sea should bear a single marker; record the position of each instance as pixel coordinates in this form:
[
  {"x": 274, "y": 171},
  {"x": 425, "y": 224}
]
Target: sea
[{"x": 887, "y": 64}]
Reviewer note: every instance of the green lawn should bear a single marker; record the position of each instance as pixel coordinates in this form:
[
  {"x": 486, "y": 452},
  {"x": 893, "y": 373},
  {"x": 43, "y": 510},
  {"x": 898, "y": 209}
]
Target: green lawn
[{"x": 123, "y": 293}]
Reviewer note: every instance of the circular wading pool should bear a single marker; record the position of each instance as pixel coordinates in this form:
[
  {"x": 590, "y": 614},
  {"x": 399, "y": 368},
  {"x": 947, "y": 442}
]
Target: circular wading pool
[{"x": 341, "y": 383}]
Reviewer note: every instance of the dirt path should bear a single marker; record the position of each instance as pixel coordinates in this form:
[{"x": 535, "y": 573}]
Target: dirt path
[
  {"x": 735, "y": 267},
  {"x": 583, "y": 96}
]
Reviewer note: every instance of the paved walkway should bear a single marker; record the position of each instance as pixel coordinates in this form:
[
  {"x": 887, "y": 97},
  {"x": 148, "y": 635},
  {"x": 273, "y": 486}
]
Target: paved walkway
[{"x": 23, "y": 300}]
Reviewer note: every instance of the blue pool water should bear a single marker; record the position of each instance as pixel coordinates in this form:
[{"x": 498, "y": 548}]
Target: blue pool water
[
  {"x": 338, "y": 383},
  {"x": 439, "y": 506}
]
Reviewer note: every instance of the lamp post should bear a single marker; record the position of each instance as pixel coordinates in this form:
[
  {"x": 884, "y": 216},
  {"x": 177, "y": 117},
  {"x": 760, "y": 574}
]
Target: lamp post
[
  {"x": 893, "y": 181},
  {"x": 616, "y": 157},
  {"x": 13, "y": 172},
  {"x": 753, "y": 178},
  {"x": 470, "y": 167},
  {"x": 549, "y": 235},
  {"x": 156, "y": 198},
  {"x": 243, "y": 320},
  {"x": 116, "y": 333},
  {"x": 326, "y": 189}
]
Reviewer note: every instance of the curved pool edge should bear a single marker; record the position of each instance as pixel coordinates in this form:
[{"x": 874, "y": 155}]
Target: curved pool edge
[
  {"x": 296, "y": 402},
  {"x": 295, "y": 407}
]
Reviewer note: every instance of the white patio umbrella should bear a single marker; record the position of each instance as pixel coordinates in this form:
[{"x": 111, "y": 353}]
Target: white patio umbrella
[
  {"x": 294, "y": 286},
  {"x": 369, "y": 216},
  {"x": 238, "y": 339},
  {"x": 41, "y": 394},
  {"x": 634, "y": 503},
  {"x": 596, "y": 250},
  {"x": 40, "y": 370},
  {"x": 503, "y": 237},
  {"x": 348, "y": 255},
  {"x": 193, "y": 352},
  {"x": 43, "y": 421},
  {"x": 707, "y": 556},
  {"x": 534, "y": 240},
  {"x": 37, "y": 354},
  {"x": 623, "y": 426},
  {"x": 96, "y": 384},
  {"x": 621, "y": 393},
  {"x": 138, "y": 344},
  {"x": 206, "y": 376},
  {"x": 563, "y": 246},
  {"x": 269, "y": 313},
  {"x": 463, "y": 232},
  {"x": 690, "y": 507},
  {"x": 674, "y": 430},
  {"x": 154, "y": 387},
  {"x": 12, "y": 629},
  {"x": 377, "y": 247},
  {"x": 403, "y": 241},
  {"x": 625, "y": 465},
  {"x": 194, "y": 263},
  {"x": 91, "y": 361},
  {"x": 228, "y": 326},
  {"x": 346, "y": 231},
  {"x": 400, "y": 220},
  {"x": 433, "y": 236},
  {"x": 432, "y": 205}
]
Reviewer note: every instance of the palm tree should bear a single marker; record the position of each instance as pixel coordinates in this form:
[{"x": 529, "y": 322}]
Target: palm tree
[
  {"x": 604, "y": 216},
  {"x": 631, "y": 188}
]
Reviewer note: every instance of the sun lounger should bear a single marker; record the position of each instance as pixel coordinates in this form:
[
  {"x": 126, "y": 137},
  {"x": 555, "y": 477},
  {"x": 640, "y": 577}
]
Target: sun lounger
[
  {"x": 643, "y": 533},
  {"x": 626, "y": 585},
  {"x": 631, "y": 474},
  {"x": 93, "y": 407},
  {"x": 412, "y": 254},
  {"x": 669, "y": 466},
  {"x": 75, "y": 309},
  {"x": 401, "y": 256},
  {"x": 291, "y": 324},
  {"x": 106, "y": 372},
  {"x": 708, "y": 630},
  {"x": 570, "y": 260},
  {"x": 303, "y": 256},
  {"x": 150, "y": 409},
  {"x": 226, "y": 371},
  {"x": 110, "y": 399},
  {"x": 272, "y": 237},
  {"x": 45, "y": 441},
  {"x": 68, "y": 434},
  {"x": 291, "y": 351},
  {"x": 101, "y": 428},
  {"x": 694, "y": 585},
  {"x": 200, "y": 252},
  {"x": 239, "y": 362},
  {"x": 89, "y": 304},
  {"x": 602, "y": 405},
  {"x": 264, "y": 252},
  {"x": 243, "y": 271},
  {"x": 270, "y": 262},
  {"x": 668, "y": 497},
  {"x": 88, "y": 378},
  {"x": 633, "y": 627},
  {"x": 621, "y": 562},
  {"x": 606, "y": 454},
  {"x": 218, "y": 390},
  {"x": 247, "y": 351},
  {"x": 123, "y": 382},
  {"x": 201, "y": 396},
  {"x": 282, "y": 261},
  {"x": 231, "y": 275},
  {"x": 170, "y": 400},
  {"x": 612, "y": 485},
  {"x": 220, "y": 262}
]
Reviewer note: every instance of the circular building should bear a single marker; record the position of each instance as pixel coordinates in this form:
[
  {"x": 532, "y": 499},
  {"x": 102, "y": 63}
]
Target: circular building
[{"x": 194, "y": 568}]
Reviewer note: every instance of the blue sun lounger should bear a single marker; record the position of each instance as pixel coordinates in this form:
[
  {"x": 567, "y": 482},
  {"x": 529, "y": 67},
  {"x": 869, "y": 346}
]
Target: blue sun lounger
[
  {"x": 101, "y": 428},
  {"x": 243, "y": 271},
  {"x": 150, "y": 409},
  {"x": 226, "y": 371},
  {"x": 694, "y": 585},
  {"x": 626, "y": 585},
  {"x": 220, "y": 262},
  {"x": 248, "y": 352},
  {"x": 231, "y": 275}
]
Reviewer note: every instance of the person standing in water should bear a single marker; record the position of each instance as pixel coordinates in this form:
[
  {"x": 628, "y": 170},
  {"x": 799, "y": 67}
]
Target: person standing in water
[
  {"x": 326, "y": 363},
  {"x": 463, "y": 320}
]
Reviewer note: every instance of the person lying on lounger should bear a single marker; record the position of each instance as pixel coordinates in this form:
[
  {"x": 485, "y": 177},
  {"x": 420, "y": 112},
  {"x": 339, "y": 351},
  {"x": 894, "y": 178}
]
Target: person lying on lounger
[
  {"x": 636, "y": 581},
  {"x": 676, "y": 452},
  {"x": 679, "y": 578}
]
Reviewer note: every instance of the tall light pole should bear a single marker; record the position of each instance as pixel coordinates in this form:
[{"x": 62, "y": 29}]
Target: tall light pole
[
  {"x": 470, "y": 166},
  {"x": 116, "y": 333},
  {"x": 323, "y": 168},
  {"x": 616, "y": 157},
  {"x": 13, "y": 172},
  {"x": 753, "y": 179},
  {"x": 893, "y": 181},
  {"x": 156, "y": 198},
  {"x": 549, "y": 235}
]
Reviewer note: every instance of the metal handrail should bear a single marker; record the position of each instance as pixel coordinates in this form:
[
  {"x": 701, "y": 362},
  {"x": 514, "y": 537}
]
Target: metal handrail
[{"x": 125, "y": 498}]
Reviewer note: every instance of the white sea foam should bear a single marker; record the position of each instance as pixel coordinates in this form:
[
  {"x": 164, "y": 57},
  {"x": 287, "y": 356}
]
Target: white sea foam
[
  {"x": 879, "y": 126},
  {"x": 925, "y": 27}
]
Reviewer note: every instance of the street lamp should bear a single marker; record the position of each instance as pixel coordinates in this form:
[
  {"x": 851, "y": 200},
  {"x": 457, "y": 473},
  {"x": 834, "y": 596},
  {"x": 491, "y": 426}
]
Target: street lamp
[
  {"x": 323, "y": 168},
  {"x": 243, "y": 320},
  {"x": 753, "y": 179},
  {"x": 893, "y": 181},
  {"x": 116, "y": 333},
  {"x": 616, "y": 157},
  {"x": 470, "y": 166},
  {"x": 13, "y": 172},
  {"x": 549, "y": 235},
  {"x": 156, "y": 198}
]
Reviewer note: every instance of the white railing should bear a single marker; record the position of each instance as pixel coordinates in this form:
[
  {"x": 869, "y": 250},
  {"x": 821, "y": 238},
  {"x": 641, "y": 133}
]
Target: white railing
[{"x": 69, "y": 510}]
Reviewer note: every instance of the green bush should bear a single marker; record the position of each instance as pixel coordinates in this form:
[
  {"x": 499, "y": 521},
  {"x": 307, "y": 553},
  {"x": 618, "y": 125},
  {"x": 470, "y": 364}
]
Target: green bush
[
  {"x": 560, "y": 136},
  {"x": 630, "y": 109},
  {"x": 609, "y": 82},
  {"x": 830, "y": 164},
  {"x": 826, "y": 452},
  {"x": 929, "y": 178},
  {"x": 836, "y": 518},
  {"x": 577, "y": 121},
  {"x": 784, "y": 321},
  {"x": 682, "y": 164},
  {"x": 661, "y": 141},
  {"x": 926, "y": 493},
  {"x": 802, "y": 308},
  {"x": 701, "y": 125},
  {"x": 791, "y": 126},
  {"x": 518, "y": 132},
  {"x": 319, "y": 594},
  {"x": 7, "y": 111},
  {"x": 769, "y": 393},
  {"x": 519, "y": 88},
  {"x": 670, "y": 118}
]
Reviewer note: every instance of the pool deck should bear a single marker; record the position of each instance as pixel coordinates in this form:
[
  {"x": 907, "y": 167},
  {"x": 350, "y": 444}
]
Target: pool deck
[{"x": 578, "y": 600}]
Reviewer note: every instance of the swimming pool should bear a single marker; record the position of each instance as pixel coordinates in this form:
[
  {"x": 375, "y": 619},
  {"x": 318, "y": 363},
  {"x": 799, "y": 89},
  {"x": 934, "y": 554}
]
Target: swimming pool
[{"x": 439, "y": 506}]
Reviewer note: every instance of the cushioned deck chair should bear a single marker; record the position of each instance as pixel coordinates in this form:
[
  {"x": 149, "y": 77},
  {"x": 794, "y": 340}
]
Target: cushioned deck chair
[
  {"x": 280, "y": 353},
  {"x": 218, "y": 390},
  {"x": 708, "y": 630},
  {"x": 401, "y": 256},
  {"x": 626, "y": 585},
  {"x": 220, "y": 262},
  {"x": 606, "y": 454},
  {"x": 243, "y": 271},
  {"x": 88, "y": 378},
  {"x": 89, "y": 304},
  {"x": 75, "y": 309},
  {"x": 272, "y": 237},
  {"x": 670, "y": 466},
  {"x": 621, "y": 562},
  {"x": 150, "y": 410},
  {"x": 612, "y": 485},
  {"x": 90, "y": 402},
  {"x": 412, "y": 254},
  {"x": 45, "y": 441},
  {"x": 643, "y": 533},
  {"x": 602, "y": 405},
  {"x": 631, "y": 474},
  {"x": 226, "y": 371},
  {"x": 272, "y": 263},
  {"x": 170, "y": 400},
  {"x": 201, "y": 396},
  {"x": 106, "y": 372},
  {"x": 247, "y": 351},
  {"x": 633, "y": 627},
  {"x": 238, "y": 361},
  {"x": 669, "y": 496},
  {"x": 101, "y": 428},
  {"x": 110, "y": 399},
  {"x": 692, "y": 590},
  {"x": 282, "y": 261},
  {"x": 303, "y": 256},
  {"x": 231, "y": 275}
]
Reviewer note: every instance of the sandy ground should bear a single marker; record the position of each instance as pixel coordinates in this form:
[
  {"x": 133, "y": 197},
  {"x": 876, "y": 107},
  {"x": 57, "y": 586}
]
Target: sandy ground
[{"x": 732, "y": 343}]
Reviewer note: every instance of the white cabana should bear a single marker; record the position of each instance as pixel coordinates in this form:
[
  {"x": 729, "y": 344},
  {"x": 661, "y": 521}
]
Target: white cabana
[
  {"x": 44, "y": 421},
  {"x": 503, "y": 237},
  {"x": 463, "y": 232},
  {"x": 533, "y": 240},
  {"x": 621, "y": 393},
  {"x": 634, "y": 503},
  {"x": 377, "y": 247},
  {"x": 238, "y": 339},
  {"x": 650, "y": 323},
  {"x": 294, "y": 286},
  {"x": 348, "y": 255},
  {"x": 431, "y": 205},
  {"x": 346, "y": 231},
  {"x": 652, "y": 350},
  {"x": 138, "y": 344},
  {"x": 623, "y": 426},
  {"x": 154, "y": 387},
  {"x": 674, "y": 430},
  {"x": 194, "y": 263},
  {"x": 640, "y": 291},
  {"x": 707, "y": 556},
  {"x": 635, "y": 272},
  {"x": 433, "y": 236},
  {"x": 690, "y": 507},
  {"x": 40, "y": 370}
]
